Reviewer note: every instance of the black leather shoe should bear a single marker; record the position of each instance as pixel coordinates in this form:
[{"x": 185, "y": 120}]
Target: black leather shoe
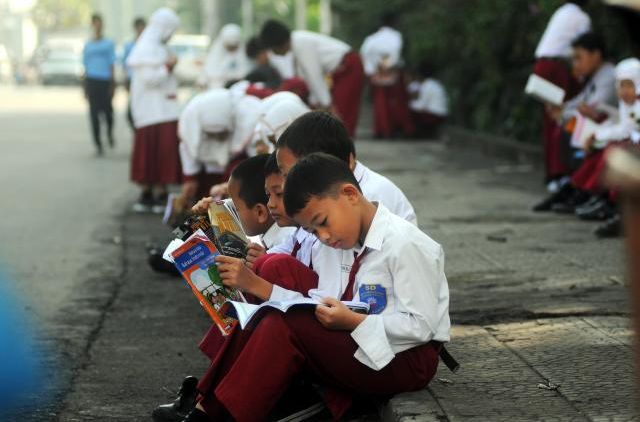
[
  {"x": 182, "y": 406},
  {"x": 600, "y": 211},
  {"x": 196, "y": 415},
  {"x": 612, "y": 228},
  {"x": 159, "y": 264},
  {"x": 568, "y": 206},
  {"x": 590, "y": 204},
  {"x": 560, "y": 196}
]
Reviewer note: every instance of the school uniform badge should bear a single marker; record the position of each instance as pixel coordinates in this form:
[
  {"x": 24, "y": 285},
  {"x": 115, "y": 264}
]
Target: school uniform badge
[{"x": 375, "y": 295}]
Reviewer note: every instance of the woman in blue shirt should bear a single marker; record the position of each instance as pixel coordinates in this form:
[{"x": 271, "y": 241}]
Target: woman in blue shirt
[{"x": 98, "y": 58}]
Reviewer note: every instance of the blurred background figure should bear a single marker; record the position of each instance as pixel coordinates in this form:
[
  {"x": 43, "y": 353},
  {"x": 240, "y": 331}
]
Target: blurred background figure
[
  {"x": 154, "y": 105},
  {"x": 138, "y": 26},
  {"x": 429, "y": 104},
  {"x": 21, "y": 375},
  {"x": 382, "y": 60},
  {"x": 227, "y": 60},
  {"x": 98, "y": 57}
]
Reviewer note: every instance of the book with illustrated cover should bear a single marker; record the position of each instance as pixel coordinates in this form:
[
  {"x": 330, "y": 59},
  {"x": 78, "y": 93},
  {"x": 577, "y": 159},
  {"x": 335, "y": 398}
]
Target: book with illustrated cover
[
  {"x": 195, "y": 259},
  {"x": 227, "y": 229}
]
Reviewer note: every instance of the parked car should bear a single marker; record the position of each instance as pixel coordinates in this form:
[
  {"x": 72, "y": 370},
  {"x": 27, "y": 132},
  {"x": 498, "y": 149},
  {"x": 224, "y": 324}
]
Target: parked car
[
  {"x": 59, "y": 61},
  {"x": 191, "y": 51}
]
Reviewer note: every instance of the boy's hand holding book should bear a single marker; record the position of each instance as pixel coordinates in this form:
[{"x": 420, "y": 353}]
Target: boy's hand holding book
[
  {"x": 236, "y": 274},
  {"x": 335, "y": 315},
  {"x": 202, "y": 206},
  {"x": 254, "y": 251}
]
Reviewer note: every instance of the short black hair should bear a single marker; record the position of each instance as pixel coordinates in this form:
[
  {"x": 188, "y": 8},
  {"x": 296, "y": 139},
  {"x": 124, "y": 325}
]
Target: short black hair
[
  {"x": 274, "y": 34},
  {"x": 139, "y": 21},
  {"x": 317, "y": 131},
  {"x": 250, "y": 175},
  {"x": 254, "y": 47},
  {"x": 590, "y": 41},
  {"x": 317, "y": 175},
  {"x": 271, "y": 166},
  {"x": 96, "y": 17}
]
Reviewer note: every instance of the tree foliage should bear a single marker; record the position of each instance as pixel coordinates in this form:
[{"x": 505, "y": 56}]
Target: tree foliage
[{"x": 482, "y": 50}]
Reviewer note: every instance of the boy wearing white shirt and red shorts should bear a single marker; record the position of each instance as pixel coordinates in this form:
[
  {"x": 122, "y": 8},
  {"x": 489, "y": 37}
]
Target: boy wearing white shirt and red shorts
[{"x": 398, "y": 270}]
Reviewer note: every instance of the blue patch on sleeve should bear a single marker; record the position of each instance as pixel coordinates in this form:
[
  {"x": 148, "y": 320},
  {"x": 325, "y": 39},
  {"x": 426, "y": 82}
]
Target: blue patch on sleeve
[{"x": 375, "y": 295}]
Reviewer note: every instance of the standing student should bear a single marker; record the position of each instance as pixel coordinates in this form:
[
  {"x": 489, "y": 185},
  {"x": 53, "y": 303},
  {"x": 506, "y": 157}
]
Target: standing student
[
  {"x": 98, "y": 58},
  {"x": 317, "y": 56},
  {"x": 226, "y": 61},
  {"x": 138, "y": 27},
  {"x": 155, "y": 162},
  {"x": 382, "y": 59},
  {"x": 430, "y": 107},
  {"x": 553, "y": 55},
  {"x": 399, "y": 271},
  {"x": 263, "y": 71}
]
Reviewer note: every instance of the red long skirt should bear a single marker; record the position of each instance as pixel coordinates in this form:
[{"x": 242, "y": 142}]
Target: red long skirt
[
  {"x": 391, "y": 109},
  {"x": 156, "y": 158},
  {"x": 348, "y": 82},
  {"x": 557, "y": 72}
]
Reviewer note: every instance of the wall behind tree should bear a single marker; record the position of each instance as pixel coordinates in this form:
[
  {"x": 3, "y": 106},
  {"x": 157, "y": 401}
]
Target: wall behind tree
[{"x": 482, "y": 50}]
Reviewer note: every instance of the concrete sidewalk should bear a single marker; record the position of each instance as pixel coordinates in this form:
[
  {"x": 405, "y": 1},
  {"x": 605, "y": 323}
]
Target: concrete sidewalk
[{"x": 539, "y": 306}]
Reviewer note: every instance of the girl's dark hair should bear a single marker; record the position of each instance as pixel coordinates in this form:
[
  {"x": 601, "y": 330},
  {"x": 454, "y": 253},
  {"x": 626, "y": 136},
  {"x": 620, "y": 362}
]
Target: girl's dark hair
[
  {"x": 250, "y": 175},
  {"x": 316, "y": 175},
  {"x": 274, "y": 34},
  {"x": 317, "y": 131}
]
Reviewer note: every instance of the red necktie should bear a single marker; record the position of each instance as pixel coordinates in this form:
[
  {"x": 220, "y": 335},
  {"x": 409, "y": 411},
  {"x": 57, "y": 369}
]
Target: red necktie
[
  {"x": 296, "y": 248},
  {"x": 348, "y": 292}
]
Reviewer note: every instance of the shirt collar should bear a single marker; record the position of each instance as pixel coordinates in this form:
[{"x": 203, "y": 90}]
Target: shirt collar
[
  {"x": 377, "y": 230},
  {"x": 269, "y": 237},
  {"x": 359, "y": 171}
]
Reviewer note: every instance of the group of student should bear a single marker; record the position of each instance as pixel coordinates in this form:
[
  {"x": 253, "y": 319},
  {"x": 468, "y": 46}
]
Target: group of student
[
  {"x": 330, "y": 228},
  {"x": 573, "y": 57}
]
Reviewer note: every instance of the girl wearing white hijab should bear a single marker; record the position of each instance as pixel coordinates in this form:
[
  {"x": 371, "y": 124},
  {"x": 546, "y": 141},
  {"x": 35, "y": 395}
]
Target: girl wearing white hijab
[
  {"x": 275, "y": 120},
  {"x": 155, "y": 111},
  {"x": 215, "y": 129},
  {"x": 227, "y": 60}
]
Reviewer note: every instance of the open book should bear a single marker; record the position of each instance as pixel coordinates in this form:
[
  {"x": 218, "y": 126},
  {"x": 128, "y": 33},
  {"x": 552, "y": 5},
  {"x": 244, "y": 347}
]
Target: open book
[
  {"x": 544, "y": 90},
  {"x": 583, "y": 130},
  {"x": 245, "y": 312},
  {"x": 195, "y": 259}
]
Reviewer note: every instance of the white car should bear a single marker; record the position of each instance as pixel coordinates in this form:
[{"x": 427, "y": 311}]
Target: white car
[
  {"x": 191, "y": 51},
  {"x": 61, "y": 67}
]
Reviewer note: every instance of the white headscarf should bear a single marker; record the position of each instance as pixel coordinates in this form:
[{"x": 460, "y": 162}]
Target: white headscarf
[
  {"x": 216, "y": 111},
  {"x": 629, "y": 69},
  {"x": 280, "y": 116},
  {"x": 222, "y": 65},
  {"x": 273, "y": 99},
  {"x": 150, "y": 48}
]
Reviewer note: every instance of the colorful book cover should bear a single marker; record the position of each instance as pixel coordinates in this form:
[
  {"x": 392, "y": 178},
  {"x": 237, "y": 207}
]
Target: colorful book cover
[
  {"x": 227, "y": 229},
  {"x": 196, "y": 262}
]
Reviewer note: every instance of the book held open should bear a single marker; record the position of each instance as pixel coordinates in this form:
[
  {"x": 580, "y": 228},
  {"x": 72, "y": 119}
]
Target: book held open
[{"x": 544, "y": 90}]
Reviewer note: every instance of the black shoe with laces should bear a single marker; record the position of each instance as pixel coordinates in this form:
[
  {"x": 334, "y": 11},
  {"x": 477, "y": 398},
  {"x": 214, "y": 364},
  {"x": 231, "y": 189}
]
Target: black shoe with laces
[
  {"x": 599, "y": 211},
  {"x": 145, "y": 203},
  {"x": 182, "y": 406},
  {"x": 568, "y": 206}
]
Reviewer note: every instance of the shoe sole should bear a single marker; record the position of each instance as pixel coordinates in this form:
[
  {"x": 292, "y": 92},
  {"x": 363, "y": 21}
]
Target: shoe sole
[{"x": 304, "y": 414}]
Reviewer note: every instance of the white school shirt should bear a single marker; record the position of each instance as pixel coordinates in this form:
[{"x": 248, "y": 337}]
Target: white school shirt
[
  {"x": 153, "y": 95},
  {"x": 276, "y": 235},
  {"x": 627, "y": 127},
  {"x": 384, "y": 45},
  {"x": 600, "y": 89},
  {"x": 376, "y": 187},
  {"x": 306, "y": 240},
  {"x": 405, "y": 270},
  {"x": 567, "y": 23},
  {"x": 315, "y": 56},
  {"x": 432, "y": 98}
]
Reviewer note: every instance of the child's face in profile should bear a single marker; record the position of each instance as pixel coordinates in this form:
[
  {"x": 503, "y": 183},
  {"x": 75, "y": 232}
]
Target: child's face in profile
[
  {"x": 249, "y": 217},
  {"x": 286, "y": 160},
  {"x": 274, "y": 187},
  {"x": 627, "y": 91},
  {"x": 335, "y": 218}
]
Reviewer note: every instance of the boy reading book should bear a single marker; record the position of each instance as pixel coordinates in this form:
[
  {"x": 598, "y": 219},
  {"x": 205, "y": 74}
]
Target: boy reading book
[{"x": 399, "y": 271}]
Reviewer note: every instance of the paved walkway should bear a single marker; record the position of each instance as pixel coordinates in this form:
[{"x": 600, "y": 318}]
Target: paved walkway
[{"x": 539, "y": 306}]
